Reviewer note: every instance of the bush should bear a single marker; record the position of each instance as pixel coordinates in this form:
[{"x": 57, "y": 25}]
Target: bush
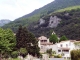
[
  {"x": 75, "y": 54},
  {"x": 54, "y": 52},
  {"x": 57, "y": 56},
  {"x": 49, "y": 51},
  {"x": 23, "y": 52},
  {"x": 14, "y": 54}
]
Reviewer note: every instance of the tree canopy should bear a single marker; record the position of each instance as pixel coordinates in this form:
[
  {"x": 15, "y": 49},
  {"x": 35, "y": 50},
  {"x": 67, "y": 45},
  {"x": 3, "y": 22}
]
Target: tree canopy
[
  {"x": 7, "y": 41},
  {"x": 63, "y": 38},
  {"x": 53, "y": 38}
]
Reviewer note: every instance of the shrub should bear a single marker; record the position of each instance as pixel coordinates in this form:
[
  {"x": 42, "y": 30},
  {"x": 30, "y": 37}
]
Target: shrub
[
  {"x": 57, "y": 56},
  {"x": 49, "y": 51},
  {"x": 14, "y": 54},
  {"x": 23, "y": 52},
  {"x": 75, "y": 54}
]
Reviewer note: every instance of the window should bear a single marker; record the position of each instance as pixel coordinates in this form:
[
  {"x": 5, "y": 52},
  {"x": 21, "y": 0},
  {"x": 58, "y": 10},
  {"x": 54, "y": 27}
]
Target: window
[
  {"x": 61, "y": 45},
  {"x": 59, "y": 50},
  {"x": 51, "y": 21},
  {"x": 45, "y": 40},
  {"x": 41, "y": 40},
  {"x": 41, "y": 47},
  {"x": 66, "y": 45},
  {"x": 65, "y": 50}
]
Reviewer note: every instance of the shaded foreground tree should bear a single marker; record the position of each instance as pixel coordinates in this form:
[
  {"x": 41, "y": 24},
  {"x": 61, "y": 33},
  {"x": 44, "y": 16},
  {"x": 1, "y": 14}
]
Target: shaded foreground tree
[
  {"x": 7, "y": 42},
  {"x": 27, "y": 40}
]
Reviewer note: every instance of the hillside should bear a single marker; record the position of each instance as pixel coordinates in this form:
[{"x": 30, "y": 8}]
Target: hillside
[
  {"x": 68, "y": 8},
  {"x": 63, "y": 23},
  {"x": 4, "y": 21},
  {"x": 39, "y": 13}
]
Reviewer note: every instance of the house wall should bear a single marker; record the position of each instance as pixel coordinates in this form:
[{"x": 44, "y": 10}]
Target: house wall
[
  {"x": 66, "y": 44},
  {"x": 55, "y": 47}
]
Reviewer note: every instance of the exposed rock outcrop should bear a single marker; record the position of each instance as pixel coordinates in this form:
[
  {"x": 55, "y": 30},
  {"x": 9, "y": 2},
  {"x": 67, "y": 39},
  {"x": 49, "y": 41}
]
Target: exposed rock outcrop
[
  {"x": 54, "y": 21},
  {"x": 41, "y": 21},
  {"x": 66, "y": 14}
]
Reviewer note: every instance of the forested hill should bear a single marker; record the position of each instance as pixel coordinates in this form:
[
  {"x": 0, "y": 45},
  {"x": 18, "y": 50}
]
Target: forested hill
[
  {"x": 55, "y": 5},
  {"x": 62, "y": 23},
  {"x": 38, "y": 13}
]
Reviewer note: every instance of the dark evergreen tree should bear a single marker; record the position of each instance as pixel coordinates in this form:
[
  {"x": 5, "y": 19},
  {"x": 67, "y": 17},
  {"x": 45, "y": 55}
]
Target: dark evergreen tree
[
  {"x": 53, "y": 38},
  {"x": 27, "y": 40}
]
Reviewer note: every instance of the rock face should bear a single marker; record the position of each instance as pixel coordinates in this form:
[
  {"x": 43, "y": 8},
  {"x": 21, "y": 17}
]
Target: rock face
[
  {"x": 66, "y": 14},
  {"x": 4, "y": 21},
  {"x": 54, "y": 21},
  {"x": 41, "y": 21}
]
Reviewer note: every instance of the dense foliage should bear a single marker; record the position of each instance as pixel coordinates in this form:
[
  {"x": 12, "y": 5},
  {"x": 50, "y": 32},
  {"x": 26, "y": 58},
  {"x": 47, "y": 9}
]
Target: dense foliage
[
  {"x": 75, "y": 55},
  {"x": 27, "y": 40},
  {"x": 49, "y": 51},
  {"x": 53, "y": 38},
  {"x": 38, "y": 13},
  {"x": 7, "y": 42},
  {"x": 69, "y": 25},
  {"x": 63, "y": 38}
]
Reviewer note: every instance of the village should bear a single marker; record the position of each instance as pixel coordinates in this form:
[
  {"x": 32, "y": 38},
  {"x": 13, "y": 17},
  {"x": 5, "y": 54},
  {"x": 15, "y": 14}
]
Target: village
[
  {"x": 58, "y": 51},
  {"x": 62, "y": 48},
  {"x": 25, "y": 46},
  {"x": 39, "y": 29}
]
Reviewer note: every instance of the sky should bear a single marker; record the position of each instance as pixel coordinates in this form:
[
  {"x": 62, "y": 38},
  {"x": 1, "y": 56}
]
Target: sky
[{"x": 13, "y": 9}]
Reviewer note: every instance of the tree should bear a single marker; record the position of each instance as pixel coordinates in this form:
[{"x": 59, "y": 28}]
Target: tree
[
  {"x": 23, "y": 52},
  {"x": 63, "y": 38},
  {"x": 75, "y": 54},
  {"x": 49, "y": 51},
  {"x": 53, "y": 38},
  {"x": 27, "y": 40},
  {"x": 7, "y": 41}
]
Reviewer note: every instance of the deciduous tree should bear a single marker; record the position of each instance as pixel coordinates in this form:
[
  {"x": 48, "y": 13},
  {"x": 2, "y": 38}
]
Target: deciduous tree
[
  {"x": 53, "y": 38},
  {"x": 7, "y": 41},
  {"x": 63, "y": 38}
]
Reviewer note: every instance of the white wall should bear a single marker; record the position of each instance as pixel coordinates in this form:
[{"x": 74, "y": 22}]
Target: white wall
[{"x": 66, "y": 44}]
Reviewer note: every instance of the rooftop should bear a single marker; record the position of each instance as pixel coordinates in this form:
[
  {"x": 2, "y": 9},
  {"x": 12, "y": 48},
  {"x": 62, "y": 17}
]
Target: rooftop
[
  {"x": 46, "y": 43},
  {"x": 42, "y": 38}
]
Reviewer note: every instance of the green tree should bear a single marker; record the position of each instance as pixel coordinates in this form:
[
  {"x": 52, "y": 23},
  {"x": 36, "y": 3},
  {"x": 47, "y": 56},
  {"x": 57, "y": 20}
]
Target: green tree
[
  {"x": 75, "y": 54},
  {"x": 7, "y": 41},
  {"x": 53, "y": 38},
  {"x": 14, "y": 54},
  {"x": 27, "y": 40},
  {"x": 49, "y": 51},
  {"x": 63, "y": 38},
  {"x": 23, "y": 52}
]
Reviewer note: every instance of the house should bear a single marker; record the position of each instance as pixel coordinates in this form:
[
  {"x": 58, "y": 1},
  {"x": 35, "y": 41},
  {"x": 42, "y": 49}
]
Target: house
[
  {"x": 44, "y": 44},
  {"x": 65, "y": 47}
]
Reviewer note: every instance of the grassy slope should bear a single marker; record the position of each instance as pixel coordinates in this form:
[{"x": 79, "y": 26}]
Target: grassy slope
[{"x": 67, "y": 9}]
